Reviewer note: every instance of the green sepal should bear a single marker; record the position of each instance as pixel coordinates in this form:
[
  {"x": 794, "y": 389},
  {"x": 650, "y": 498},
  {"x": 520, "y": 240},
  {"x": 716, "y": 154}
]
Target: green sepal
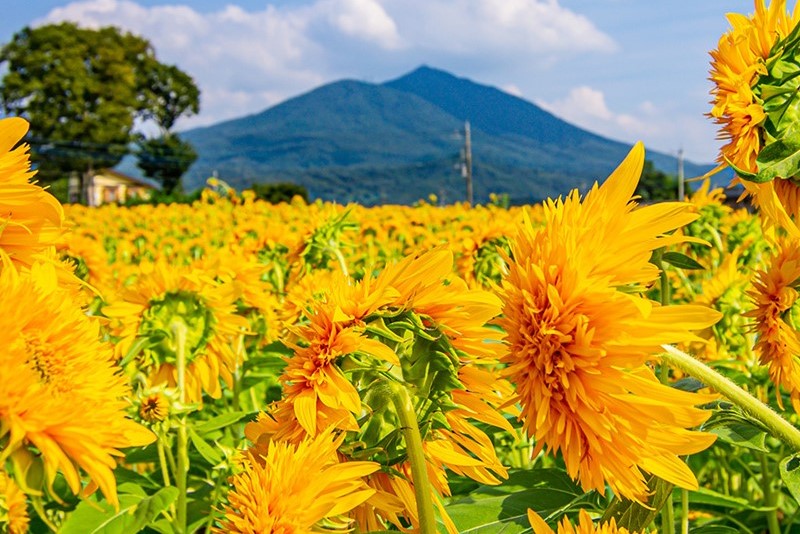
[
  {"x": 634, "y": 516},
  {"x": 781, "y": 158},
  {"x": 681, "y": 261}
]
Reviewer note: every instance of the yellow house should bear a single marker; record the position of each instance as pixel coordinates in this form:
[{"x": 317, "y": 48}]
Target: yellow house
[{"x": 108, "y": 185}]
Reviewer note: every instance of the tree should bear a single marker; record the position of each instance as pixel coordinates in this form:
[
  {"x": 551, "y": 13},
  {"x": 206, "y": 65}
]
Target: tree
[
  {"x": 83, "y": 90},
  {"x": 165, "y": 159},
  {"x": 655, "y": 185},
  {"x": 279, "y": 192}
]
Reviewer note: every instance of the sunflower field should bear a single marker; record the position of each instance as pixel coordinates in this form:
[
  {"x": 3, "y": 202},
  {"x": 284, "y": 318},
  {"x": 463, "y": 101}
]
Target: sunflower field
[{"x": 586, "y": 365}]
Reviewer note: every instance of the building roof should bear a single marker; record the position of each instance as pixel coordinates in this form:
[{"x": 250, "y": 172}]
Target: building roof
[{"x": 139, "y": 180}]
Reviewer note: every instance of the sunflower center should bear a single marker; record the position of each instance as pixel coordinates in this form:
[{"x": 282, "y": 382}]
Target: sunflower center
[
  {"x": 44, "y": 360},
  {"x": 547, "y": 343},
  {"x": 81, "y": 268},
  {"x": 183, "y": 306},
  {"x": 153, "y": 409}
]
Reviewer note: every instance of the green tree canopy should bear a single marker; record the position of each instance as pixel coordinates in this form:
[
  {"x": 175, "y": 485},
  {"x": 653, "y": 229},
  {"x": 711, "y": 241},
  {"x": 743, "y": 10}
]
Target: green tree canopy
[
  {"x": 655, "y": 185},
  {"x": 165, "y": 159},
  {"x": 83, "y": 91}
]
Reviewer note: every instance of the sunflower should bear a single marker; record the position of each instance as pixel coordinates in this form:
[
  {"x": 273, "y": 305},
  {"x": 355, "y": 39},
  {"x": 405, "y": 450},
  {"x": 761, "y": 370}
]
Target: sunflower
[
  {"x": 165, "y": 294},
  {"x": 579, "y": 336},
  {"x": 30, "y": 218},
  {"x": 294, "y": 487},
  {"x": 584, "y": 526},
  {"x": 13, "y": 508},
  {"x": 417, "y": 325},
  {"x": 747, "y": 67},
  {"x": 60, "y": 390},
  {"x": 776, "y": 318},
  {"x": 153, "y": 408}
]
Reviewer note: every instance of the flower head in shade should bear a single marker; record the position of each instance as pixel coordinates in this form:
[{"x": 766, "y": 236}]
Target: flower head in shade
[
  {"x": 62, "y": 397},
  {"x": 754, "y": 70},
  {"x": 30, "y": 217},
  {"x": 414, "y": 325},
  {"x": 584, "y": 525},
  {"x": 13, "y": 508},
  {"x": 579, "y": 336},
  {"x": 776, "y": 318},
  {"x": 164, "y": 294},
  {"x": 294, "y": 487}
]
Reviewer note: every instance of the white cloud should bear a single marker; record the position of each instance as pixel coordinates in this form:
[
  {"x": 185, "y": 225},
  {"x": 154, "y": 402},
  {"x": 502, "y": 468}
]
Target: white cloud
[
  {"x": 364, "y": 19},
  {"x": 586, "y": 107},
  {"x": 246, "y": 60},
  {"x": 512, "y": 89},
  {"x": 539, "y": 27}
]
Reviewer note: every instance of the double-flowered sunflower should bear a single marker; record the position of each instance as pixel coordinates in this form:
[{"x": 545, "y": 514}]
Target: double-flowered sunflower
[
  {"x": 168, "y": 296},
  {"x": 754, "y": 70},
  {"x": 585, "y": 525},
  {"x": 61, "y": 392},
  {"x": 30, "y": 217},
  {"x": 294, "y": 487},
  {"x": 776, "y": 317},
  {"x": 580, "y": 334},
  {"x": 415, "y": 326}
]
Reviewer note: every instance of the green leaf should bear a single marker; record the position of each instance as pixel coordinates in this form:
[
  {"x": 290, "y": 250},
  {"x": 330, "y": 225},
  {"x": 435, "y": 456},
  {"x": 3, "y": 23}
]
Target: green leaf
[
  {"x": 135, "y": 513},
  {"x": 790, "y": 474},
  {"x": 768, "y": 92},
  {"x": 705, "y": 498},
  {"x": 503, "y": 508},
  {"x": 681, "y": 261},
  {"x": 781, "y": 158},
  {"x": 715, "y": 529},
  {"x": 163, "y": 526},
  {"x": 741, "y": 434},
  {"x": 220, "y": 421},
  {"x": 634, "y": 516},
  {"x": 125, "y": 476},
  {"x": 208, "y": 452},
  {"x": 737, "y": 428},
  {"x": 147, "y": 454}
]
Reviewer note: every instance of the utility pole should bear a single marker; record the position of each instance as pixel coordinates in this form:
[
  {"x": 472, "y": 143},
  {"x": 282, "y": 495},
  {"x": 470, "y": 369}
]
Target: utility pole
[
  {"x": 466, "y": 165},
  {"x": 680, "y": 175}
]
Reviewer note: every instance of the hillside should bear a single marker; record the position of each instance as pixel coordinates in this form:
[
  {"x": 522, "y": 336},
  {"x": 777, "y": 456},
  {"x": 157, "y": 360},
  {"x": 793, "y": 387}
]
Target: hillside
[{"x": 399, "y": 141}]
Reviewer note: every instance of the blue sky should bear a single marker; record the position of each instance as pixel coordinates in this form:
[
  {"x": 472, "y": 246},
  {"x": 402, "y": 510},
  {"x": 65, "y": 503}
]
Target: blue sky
[{"x": 627, "y": 69}]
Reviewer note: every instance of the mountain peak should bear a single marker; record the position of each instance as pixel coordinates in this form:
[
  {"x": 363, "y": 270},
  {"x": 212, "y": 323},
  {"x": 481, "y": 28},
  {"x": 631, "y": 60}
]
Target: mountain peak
[{"x": 355, "y": 141}]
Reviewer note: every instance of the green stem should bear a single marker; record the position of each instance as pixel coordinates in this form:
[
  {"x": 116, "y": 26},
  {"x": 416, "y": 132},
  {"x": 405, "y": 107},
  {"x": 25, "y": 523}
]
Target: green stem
[
  {"x": 162, "y": 460},
  {"x": 668, "y": 518},
  {"x": 416, "y": 456},
  {"x": 777, "y": 425},
  {"x": 182, "y": 469},
  {"x": 341, "y": 260},
  {"x": 770, "y": 498},
  {"x": 684, "y": 511},
  {"x": 237, "y": 372},
  {"x": 665, "y": 301},
  {"x": 40, "y": 511},
  {"x": 668, "y": 512}
]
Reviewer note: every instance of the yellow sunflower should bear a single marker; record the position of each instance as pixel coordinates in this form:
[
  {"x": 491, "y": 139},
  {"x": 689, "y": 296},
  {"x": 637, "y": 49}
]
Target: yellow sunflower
[
  {"x": 776, "y": 318},
  {"x": 30, "y": 217},
  {"x": 13, "y": 508},
  {"x": 294, "y": 487},
  {"x": 584, "y": 526},
  {"x": 416, "y": 324},
  {"x": 164, "y": 294},
  {"x": 579, "y": 336},
  {"x": 745, "y": 69},
  {"x": 60, "y": 390}
]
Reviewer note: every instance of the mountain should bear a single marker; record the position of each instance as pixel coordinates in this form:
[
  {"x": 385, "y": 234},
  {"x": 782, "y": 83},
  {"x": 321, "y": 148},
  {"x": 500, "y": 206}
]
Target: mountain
[{"x": 399, "y": 141}]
